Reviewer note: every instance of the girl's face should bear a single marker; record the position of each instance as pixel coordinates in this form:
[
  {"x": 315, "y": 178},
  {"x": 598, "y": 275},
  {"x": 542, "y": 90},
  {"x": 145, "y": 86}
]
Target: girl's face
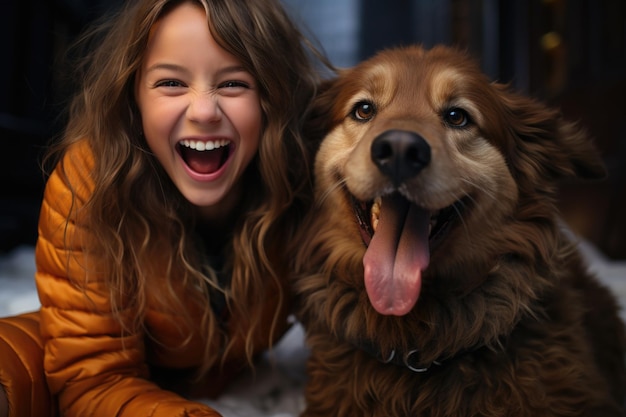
[{"x": 200, "y": 110}]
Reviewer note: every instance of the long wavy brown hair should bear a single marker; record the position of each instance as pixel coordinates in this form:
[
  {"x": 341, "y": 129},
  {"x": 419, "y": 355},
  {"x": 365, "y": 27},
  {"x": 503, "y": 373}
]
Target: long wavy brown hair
[{"x": 142, "y": 227}]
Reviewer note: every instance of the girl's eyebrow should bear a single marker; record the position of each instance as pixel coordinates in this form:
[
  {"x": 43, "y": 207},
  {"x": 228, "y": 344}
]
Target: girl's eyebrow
[
  {"x": 165, "y": 66},
  {"x": 179, "y": 68}
]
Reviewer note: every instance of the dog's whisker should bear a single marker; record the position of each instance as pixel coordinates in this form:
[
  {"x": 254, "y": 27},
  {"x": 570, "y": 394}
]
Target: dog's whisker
[
  {"x": 483, "y": 190},
  {"x": 331, "y": 189},
  {"x": 460, "y": 212}
]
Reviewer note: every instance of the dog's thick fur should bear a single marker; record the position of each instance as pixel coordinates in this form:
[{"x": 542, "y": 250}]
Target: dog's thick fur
[{"x": 498, "y": 317}]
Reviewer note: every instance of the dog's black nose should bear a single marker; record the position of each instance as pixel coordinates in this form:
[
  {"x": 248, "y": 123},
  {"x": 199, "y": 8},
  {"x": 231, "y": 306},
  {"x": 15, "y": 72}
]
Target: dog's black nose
[{"x": 400, "y": 154}]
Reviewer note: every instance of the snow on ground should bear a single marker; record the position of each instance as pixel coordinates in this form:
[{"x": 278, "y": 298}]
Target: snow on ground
[{"x": 274, "y": 390}]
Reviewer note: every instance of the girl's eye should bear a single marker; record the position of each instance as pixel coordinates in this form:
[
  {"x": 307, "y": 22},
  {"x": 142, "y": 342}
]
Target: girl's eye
[
  {"x": 169, "y": 83},
  {"x": 456, "y": 117},
  {"x": 234, "y": 84},
  {"x": 363, "y": 111}
]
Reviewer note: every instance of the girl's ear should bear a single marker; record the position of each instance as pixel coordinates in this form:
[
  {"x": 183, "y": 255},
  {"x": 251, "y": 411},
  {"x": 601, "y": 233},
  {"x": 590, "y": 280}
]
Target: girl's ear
[{"x": 545, "y": 146}]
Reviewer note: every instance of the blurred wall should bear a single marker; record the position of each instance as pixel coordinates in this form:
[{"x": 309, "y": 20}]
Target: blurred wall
[{"x": 37, "y": 34}]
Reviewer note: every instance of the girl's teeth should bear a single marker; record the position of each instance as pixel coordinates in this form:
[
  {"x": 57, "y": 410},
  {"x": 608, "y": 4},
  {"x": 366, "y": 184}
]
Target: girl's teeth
[{"x": 204, "y": 146}]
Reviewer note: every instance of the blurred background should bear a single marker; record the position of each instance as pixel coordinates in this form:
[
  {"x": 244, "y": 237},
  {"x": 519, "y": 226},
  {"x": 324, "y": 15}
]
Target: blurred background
[{"x": 568, "y": 53}]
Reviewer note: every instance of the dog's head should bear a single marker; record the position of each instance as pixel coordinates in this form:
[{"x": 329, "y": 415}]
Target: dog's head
[{"x": 432, "y": 160}]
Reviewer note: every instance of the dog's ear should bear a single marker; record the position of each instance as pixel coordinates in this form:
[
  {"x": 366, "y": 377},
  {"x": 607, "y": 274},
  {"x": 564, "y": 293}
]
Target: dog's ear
[
  {"x": 582, "y": 153},
  {"x": 319, "y": 117},
  {"x": 545, "y": 143}
]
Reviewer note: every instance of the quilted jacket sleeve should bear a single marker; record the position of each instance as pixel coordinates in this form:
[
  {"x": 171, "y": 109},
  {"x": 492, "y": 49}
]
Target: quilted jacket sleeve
[
  {"x": 93, "y": 368},
  {"x": 21, "y": 367}
]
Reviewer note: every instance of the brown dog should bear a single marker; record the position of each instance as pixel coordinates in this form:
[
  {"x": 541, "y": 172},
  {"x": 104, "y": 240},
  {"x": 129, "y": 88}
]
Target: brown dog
[{"x": 435, "y": 278}]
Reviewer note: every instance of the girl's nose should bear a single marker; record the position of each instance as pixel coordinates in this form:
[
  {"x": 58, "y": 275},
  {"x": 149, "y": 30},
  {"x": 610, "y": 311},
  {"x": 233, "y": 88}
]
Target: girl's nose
[{"x": 204, "y": 108}]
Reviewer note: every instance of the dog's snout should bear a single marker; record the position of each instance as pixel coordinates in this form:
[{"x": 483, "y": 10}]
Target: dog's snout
[{"x": 400, "y": 154}]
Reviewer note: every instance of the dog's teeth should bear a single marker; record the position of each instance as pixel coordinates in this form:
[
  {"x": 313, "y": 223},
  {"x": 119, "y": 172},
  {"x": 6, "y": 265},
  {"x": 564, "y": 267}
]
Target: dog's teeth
[
  {"x": 375, "y": 213},
  {"x": 433, "y": 221}
]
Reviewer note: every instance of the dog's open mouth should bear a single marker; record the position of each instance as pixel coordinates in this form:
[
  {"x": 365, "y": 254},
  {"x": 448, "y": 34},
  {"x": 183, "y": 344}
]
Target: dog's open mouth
[
  {"x": 440, "y": 221},
  {"x": 399, "y": 237}
]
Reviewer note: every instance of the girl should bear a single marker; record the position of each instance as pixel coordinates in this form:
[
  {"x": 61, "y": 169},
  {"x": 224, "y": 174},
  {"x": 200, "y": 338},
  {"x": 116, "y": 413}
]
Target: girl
[{"x": 164, "y": 226}]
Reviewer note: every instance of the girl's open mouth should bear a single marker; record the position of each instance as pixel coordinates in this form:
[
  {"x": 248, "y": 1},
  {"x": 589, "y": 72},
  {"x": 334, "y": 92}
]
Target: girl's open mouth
[{"x": 204, "y": 157}]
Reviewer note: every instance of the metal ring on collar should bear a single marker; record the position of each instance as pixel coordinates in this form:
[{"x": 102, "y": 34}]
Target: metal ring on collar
[
  {"x": 391, "y": 356},
  {"x": 413, "y": 368}
]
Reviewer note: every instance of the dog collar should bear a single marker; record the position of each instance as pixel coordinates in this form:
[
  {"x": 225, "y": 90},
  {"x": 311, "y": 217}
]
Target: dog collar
[{"x": 409, "y": 360}]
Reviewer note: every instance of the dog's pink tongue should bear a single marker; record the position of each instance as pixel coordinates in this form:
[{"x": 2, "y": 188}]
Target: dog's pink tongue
[{"x": 396, "y": 256}]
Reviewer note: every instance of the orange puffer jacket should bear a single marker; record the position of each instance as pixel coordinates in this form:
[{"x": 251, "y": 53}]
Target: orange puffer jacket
[{"x": 90, "y": 369}]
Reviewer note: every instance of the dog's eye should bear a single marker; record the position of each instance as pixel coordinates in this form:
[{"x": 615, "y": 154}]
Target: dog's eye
[
  {"x": 363, "y": 111},
  {"x": 456, "y": 117}
]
